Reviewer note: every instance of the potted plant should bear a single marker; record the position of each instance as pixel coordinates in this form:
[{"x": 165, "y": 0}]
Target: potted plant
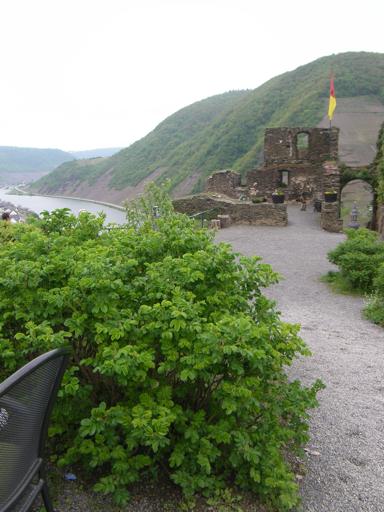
[
  {"x": 278, "y": 196},
  {"x": 330, "y": 196},
  {"x": 257, "y": 200}
]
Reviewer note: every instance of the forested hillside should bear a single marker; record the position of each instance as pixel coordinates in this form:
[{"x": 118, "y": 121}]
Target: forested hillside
[
  {"x": 95, "y": 153},
  {"x": 224, "y": 131},
  {"x": 132, "y": 164}
]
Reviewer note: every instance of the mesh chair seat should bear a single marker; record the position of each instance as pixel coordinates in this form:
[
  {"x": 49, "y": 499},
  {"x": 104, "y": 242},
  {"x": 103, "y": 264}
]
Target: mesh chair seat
[{"x": 26, "y": 401}]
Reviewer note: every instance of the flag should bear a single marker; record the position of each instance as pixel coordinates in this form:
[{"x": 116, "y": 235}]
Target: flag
[{"x": 332, "y": 100}]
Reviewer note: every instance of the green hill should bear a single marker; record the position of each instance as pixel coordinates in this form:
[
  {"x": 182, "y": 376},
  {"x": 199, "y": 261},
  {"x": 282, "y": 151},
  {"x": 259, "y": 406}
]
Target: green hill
[
  {"x": 24, "y": 164},
  {"x": 225, "y": 131},
  {"x": 95, "y": 153}
]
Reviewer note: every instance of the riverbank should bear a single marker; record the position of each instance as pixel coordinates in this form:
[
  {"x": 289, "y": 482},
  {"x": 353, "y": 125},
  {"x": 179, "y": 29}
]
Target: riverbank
[
  {"x": 36, "y": 203},
  {"x": 18, "y": 191}
]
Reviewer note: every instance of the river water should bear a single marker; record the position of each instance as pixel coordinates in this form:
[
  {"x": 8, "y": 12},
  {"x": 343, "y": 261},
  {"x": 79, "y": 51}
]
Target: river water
[{"x": 39, "y": 203}]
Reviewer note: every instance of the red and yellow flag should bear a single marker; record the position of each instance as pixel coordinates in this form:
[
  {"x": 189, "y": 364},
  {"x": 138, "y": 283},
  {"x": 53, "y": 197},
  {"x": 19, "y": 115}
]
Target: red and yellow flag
[{"x": 332, "y": 100}]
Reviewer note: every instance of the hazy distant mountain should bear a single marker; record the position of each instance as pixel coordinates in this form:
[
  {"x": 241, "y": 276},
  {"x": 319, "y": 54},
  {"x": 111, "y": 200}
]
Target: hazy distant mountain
[
  {"x": 224, "y": 131},
  {"x": 95, "y": 153},
  {"x": 27, "y": 164}
]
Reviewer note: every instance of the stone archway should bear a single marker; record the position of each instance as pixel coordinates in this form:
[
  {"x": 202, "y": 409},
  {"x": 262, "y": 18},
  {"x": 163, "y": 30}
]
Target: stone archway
[{"x": 357, "y": 192}]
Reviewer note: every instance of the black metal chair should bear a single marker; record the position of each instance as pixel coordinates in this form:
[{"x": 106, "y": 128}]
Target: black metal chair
[{"x": 26, "y": 401}]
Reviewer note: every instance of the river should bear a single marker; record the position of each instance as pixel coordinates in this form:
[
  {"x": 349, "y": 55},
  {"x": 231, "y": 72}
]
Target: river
[{"x": 39, "y": 203}]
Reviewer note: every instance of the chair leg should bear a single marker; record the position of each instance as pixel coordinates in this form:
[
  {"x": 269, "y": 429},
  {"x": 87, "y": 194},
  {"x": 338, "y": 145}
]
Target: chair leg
[{"x": 46, "y": 498}]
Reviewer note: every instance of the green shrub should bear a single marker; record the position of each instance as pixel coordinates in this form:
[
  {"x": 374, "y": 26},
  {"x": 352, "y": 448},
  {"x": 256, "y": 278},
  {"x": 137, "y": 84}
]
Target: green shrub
[
  {"x": 178, "y": 359},
  {"x": 374, "y": 310},
  {"x": 339, "y": 284},
  {"x": 359, "y": 258},
  {"x": 361, "y": 262}
]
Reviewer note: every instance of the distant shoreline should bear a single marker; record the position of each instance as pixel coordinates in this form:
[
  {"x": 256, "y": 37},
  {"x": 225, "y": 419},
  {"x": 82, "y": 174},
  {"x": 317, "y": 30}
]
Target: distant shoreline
[
  {"x": 103, "y": 203},
  {"x": 110, "y": 205}
]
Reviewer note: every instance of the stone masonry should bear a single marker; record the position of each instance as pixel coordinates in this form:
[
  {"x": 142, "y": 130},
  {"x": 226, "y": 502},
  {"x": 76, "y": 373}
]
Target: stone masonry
[
  {"x": 224, "y": 182},
  {"x": 303, "y": 161},
  {"x": 283, "y": 145},
  {"x": 240, "y": 212},
  {"x": 329, "y": 219}
]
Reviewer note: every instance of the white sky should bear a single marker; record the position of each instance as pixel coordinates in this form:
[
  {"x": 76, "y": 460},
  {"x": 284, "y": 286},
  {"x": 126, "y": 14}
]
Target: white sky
[{"x": 82, "y": 74}]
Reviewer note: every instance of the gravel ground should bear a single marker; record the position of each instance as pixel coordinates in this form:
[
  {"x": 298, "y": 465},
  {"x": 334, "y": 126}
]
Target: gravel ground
[{"x": 345, "y": 466}]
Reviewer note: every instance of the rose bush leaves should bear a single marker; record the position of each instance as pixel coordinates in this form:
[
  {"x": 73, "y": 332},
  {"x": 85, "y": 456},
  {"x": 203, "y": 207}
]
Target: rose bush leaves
[{"x": 178, "y": 359}]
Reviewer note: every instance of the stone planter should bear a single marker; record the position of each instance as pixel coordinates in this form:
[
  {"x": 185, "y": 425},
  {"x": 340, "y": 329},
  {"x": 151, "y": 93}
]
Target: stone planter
[
  {"x": 278, "y": 198},
  {"x": 330, "y": 197}
]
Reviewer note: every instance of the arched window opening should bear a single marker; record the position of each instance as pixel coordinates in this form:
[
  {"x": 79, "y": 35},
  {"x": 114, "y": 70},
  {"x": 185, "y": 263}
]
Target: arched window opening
[
  {"x": 302, "y": 144},
  {"x": 357, "y": 193},
  {"x": 302, "y": 140},
  {"x": 284, "y": 178}
]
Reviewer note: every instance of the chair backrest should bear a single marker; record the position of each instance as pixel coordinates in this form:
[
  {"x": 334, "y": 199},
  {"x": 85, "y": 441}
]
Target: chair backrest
[{"x": 26, "y": 400}]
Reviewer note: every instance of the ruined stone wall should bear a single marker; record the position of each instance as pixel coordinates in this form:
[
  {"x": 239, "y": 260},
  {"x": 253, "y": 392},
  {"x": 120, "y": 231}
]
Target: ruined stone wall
[
  {"x": 303, "y": 179},
  {"x": 240, "y": 212},
  {"x": 302, "y": 161},
  {"x": 281, "y": 145},
  {"x": 311, "y": 170},
  {"x": 265, "y": 182},
  {"x": 331, "y": 177},
  {"x": 224, "y": 182},
  {"x": 329, "y": 218}
]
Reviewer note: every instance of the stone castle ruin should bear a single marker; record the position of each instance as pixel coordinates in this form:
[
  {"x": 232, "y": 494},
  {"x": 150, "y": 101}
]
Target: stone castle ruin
[
  {"x": 301, "y": 163},
  {"x": 300, "y": 160}
]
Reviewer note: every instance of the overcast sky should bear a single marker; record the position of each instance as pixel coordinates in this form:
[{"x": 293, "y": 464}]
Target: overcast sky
[{"x": 82, "y": 74}]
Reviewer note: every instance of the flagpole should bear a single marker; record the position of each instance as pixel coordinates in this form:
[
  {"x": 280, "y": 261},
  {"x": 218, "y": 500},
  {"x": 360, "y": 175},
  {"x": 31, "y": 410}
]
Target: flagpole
[
  {"x": 330, "y": 78},
  {"x": 332, "y": 99}
]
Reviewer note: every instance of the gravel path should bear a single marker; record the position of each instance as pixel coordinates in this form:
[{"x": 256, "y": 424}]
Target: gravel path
[{"x": 345, "y": 471}]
